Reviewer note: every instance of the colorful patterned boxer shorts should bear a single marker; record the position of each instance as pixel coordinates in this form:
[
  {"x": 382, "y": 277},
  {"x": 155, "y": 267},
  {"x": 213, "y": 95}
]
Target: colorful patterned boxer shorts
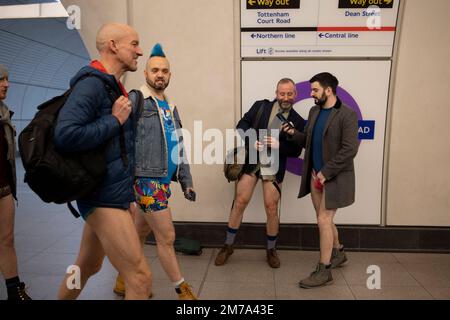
[{"x": 151, "y": 195}]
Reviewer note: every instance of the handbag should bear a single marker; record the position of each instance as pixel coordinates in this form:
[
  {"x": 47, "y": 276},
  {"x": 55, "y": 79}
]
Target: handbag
[{"x": 236, "y": 158}]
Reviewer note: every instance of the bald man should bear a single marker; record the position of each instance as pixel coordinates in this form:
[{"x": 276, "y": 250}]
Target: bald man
[{"x": 98, "y": 113}]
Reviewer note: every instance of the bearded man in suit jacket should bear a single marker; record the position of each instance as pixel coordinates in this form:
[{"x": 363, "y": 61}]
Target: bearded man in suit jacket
[{"x": 331, "y": 142}]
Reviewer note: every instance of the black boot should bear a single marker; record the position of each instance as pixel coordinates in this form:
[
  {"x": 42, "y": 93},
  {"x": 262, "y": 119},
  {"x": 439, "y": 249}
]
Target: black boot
[{"x": 18, "y": 293}]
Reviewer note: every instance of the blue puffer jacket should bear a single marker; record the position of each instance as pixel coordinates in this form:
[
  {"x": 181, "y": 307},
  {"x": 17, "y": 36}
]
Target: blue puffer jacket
[{"x": 86, "y": 122}]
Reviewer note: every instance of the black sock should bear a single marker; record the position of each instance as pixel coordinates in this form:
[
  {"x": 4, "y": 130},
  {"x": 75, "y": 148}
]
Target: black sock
[{"x": 13, "y": 282}]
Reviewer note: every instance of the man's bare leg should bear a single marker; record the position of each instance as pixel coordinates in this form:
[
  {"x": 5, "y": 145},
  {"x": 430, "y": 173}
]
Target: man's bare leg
[
  {"x": 271, "y": 199},
  {"x": 244, "y": 191},
  {"x": 325, "y": 222},
  {"x": 117, "y": 234},
  {"x": 8, "y": 257},
  {"x": 90, "y": 260},
  {"x": 336, "y": 242},
  {"x": 164, "y": 231},
  {"x": 142, "y": 226}
]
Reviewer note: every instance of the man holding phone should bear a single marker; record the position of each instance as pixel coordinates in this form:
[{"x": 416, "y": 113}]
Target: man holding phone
[
  {"x": 264, "y": 117},
  {"x": 160, "y": 160}
]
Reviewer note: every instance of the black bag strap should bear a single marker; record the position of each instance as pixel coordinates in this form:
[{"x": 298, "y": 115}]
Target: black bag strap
[
  {"x": 277, "y": 186},
  {"x": 113, "y": 96},
  {"x": 255, "y": 123},
  {"x": 123, "y": 151},
  {"x": 73, "y": 211}
]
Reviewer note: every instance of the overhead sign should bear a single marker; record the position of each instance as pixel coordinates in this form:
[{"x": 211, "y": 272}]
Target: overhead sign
[{"x": 318, "y": 28}]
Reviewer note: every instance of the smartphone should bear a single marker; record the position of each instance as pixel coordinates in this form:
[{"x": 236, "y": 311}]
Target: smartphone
[{"x": 284, "y": 120}]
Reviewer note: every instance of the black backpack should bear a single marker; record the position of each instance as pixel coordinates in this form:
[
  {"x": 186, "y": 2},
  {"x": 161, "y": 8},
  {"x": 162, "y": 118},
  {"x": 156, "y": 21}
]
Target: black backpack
[{"x": 60, "y": 177}]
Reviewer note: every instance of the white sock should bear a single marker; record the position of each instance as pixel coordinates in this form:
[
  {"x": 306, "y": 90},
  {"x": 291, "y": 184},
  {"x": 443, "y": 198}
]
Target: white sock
[{"x": 177, "y": 284}]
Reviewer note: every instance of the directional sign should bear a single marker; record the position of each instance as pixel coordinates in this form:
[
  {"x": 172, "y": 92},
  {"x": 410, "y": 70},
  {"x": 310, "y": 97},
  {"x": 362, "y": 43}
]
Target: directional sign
[
  {"x": 273, "y": 4},
  {"x": 358, "y": 4},
  {"x": 318, "y": 28}
]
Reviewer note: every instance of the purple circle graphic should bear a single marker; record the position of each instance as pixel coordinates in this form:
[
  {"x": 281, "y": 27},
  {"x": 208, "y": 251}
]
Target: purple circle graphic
[{"x": 295, "y": 165}]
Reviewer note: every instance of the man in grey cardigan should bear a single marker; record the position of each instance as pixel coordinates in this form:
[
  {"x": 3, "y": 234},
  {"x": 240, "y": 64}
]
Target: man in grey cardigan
[{"x": 331, "y": 142}]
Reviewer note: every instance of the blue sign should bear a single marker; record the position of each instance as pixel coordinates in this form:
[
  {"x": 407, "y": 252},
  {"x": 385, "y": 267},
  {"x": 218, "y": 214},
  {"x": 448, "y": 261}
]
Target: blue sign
[{"x": 366, "y": 130}]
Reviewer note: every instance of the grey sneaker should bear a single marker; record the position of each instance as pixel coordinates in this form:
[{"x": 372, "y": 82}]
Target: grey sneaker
[
  {"x": 338, "y": 258},
  {"x": 320, "y": 277}
]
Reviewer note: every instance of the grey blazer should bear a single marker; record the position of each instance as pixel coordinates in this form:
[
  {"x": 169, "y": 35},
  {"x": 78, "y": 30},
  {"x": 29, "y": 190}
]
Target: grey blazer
[{"x": 340, "y": 145}]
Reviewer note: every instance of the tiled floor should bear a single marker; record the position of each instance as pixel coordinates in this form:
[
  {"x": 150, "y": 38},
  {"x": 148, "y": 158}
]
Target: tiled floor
[{"x": 47, "y": 240}]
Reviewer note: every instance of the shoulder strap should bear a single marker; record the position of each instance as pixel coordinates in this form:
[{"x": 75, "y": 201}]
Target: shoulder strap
[
  {"x": 73, "y": 211},
  {"x": 123, "y": 151},
  {"x": 113, "y": 96},
  {"x": 139, "y": 102},
  {"x": 258, "y": 117}
]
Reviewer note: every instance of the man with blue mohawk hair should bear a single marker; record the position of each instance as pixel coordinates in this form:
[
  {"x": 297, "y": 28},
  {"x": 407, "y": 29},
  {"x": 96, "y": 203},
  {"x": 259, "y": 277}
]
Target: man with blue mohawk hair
[
  {"x": 157, "y": 51},
  {"x": 157, "y": 164}
]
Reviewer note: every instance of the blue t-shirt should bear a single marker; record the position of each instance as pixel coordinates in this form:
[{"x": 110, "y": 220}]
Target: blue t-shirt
[
  {"x": 317, "y": 146},
  {"x": 171, "y": 139}
]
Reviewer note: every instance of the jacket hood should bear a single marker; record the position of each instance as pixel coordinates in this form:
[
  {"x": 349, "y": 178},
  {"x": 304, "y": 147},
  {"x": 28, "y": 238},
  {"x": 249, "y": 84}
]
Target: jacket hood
[{"x": 90, "y": 71}]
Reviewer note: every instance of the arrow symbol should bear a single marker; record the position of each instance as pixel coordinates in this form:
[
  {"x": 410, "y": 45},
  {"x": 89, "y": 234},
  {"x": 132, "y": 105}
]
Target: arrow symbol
[
  {"x": 321, "y": 35},
  {"x": 388, "y": 1},
  {"x": 253, "y": 36},
  {"x": 252, "y": 2}
]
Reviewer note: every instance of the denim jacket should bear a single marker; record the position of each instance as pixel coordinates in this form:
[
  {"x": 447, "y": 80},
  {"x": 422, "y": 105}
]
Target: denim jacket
[{"x": 151, "y": 154}]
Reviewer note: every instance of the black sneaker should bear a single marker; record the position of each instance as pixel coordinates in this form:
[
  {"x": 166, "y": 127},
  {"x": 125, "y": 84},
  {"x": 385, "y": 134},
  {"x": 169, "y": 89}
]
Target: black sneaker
[{"x": 18, "y": 293}]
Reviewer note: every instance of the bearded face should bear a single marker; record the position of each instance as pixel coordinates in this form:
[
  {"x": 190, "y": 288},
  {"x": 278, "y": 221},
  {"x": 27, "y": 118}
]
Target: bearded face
[
  {"x": 286, "y": 95},
  {"x": 322, "y": 100},
  {"x": 318, "y": 93},
  {"x": 158, "y": 73}
]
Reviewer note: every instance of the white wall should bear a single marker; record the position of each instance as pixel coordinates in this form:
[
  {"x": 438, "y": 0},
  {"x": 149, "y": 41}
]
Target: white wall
[{"x": 419, "y": 173}]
